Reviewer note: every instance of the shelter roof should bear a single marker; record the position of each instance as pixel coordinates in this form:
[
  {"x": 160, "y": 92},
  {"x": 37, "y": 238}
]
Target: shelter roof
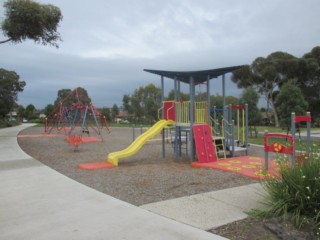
[{"x": 198, "y": 76}]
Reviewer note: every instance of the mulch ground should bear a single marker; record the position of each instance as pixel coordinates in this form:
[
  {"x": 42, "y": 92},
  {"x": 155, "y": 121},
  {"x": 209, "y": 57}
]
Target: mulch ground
[
  {"x": 143, "y": 178},
  {"x": 147, "y": 177}
]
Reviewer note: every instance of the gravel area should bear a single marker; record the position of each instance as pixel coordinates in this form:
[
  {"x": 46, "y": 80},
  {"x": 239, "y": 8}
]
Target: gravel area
[{"x": 143, "y": 178}]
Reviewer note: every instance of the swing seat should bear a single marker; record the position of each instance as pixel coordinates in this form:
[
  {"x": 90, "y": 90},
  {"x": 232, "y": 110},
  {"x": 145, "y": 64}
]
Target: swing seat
[{"x": 75, "y": 140}]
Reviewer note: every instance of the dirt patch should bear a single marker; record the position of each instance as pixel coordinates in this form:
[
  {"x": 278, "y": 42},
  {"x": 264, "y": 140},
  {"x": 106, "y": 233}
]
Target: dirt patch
[{"x": 257, "y": 229}]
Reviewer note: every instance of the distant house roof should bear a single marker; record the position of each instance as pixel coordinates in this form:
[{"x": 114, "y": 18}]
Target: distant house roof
[
  {"x": 124, "y": 114},
  {"x": 198, "y": 76}
]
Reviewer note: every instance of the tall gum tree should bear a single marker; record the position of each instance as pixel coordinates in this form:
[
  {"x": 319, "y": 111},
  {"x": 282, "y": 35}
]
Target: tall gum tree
[{"x": 267, "y": 75}]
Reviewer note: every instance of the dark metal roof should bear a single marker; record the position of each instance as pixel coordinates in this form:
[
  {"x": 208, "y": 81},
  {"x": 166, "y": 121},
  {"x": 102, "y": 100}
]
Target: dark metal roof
[{"x": 198, "y": 76}]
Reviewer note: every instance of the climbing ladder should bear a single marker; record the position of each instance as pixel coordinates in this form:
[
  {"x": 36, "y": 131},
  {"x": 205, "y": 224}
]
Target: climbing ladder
[{"x": 220, "y": 147}]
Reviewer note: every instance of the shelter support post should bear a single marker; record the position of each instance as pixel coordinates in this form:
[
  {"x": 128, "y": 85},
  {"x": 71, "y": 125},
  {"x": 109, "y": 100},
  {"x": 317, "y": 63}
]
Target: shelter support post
[
  {"x": 163, "y": 132},
  {"x": 192, "y": 99}
]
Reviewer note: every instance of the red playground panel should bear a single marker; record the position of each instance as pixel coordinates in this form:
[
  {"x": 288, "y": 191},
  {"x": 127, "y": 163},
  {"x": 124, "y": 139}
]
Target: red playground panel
[
  {"x": 204, "y": 143},
  {"x": 169, "y": 112}
]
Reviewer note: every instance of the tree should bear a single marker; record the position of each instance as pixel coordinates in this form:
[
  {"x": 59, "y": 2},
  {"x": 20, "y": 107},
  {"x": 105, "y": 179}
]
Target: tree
[
  {"x": 30, "y": 111},
  {"x": 152, "y": 101},
  {"x": 145, "y": 102},
  {"x": 48, "y": 109},
  {"x": 10, "y": 85},
  {"x": 217, "y": 101},
  {"x": 251, "y": 97},
  {"x": 267, "y": 75},
  {"x": 69, "y": 97},
  {"x": 26, "y": 19},
  {"x": 106, "y": 112},
  {"x": 183, "y": 96},
  {"x": 290, "y": 99},
  {"x": 126, "y": 103},
  {"x": 308, "y": 80},
  {"x": 21, "y": 112},
  {"x": 114, "y": 111}
]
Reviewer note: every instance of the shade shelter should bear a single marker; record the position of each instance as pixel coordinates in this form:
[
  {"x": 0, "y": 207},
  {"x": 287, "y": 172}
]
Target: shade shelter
[{"x": 192, "y": 78}]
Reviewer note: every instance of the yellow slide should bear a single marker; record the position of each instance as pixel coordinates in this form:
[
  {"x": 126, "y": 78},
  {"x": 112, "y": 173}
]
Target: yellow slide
[{"x": 138, "y": 143}]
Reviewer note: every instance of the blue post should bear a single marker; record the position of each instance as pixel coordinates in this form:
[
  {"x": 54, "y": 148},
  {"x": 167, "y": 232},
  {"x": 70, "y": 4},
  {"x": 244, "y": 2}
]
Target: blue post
[
  {"x": 176, "y": 131},
  {"x": 223, "y": 90},
  {"x": 84, "y": 118},
  {"x": 95, "y": 119},
  {"x": 192, "y": 90},
  {"x": 215, "y": 124},
  {"x": 133, "y": 133},
  {"x": 208, "y": 99},
  {"x": 232, "y": 138},
  {"x": 163, "y": 132}
]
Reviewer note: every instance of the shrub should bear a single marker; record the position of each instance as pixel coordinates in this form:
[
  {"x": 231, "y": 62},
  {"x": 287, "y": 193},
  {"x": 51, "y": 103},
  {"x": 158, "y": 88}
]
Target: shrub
[{"x": 295, "y": 193}]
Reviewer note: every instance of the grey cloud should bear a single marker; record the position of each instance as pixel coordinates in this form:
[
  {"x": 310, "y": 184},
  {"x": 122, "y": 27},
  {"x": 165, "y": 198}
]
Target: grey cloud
[{"x": 107, "y": 44}]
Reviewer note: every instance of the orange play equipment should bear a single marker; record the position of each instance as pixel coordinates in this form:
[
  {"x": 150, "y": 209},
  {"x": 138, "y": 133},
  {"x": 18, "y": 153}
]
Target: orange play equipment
[{"x": 75, "y": 140}]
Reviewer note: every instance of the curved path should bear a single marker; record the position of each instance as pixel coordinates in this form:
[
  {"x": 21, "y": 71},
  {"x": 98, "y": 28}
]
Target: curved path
[{"x": 37, "y": 202}]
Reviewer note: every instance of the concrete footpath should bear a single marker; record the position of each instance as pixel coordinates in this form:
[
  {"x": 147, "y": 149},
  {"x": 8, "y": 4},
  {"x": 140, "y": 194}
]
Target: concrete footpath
[{"x": 37, "y": 202}]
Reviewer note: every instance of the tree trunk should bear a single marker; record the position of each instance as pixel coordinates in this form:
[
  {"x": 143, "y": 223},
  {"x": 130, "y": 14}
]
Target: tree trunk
[{"x": 275, "y": 114}]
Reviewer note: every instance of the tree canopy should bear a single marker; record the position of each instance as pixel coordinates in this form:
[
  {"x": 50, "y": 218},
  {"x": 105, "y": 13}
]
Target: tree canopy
[
  {"x": 144, "y": 102},
  {"x": 69, "y": 97},
  {"x": 308, "y": 79},
  {"x": 290, "y": 99},
  {"x": 251, "y": 97},
  {"x": 10, "y": 85},
  {"x": 268, "y": 75},
  {"x": 26, "y": 19}
]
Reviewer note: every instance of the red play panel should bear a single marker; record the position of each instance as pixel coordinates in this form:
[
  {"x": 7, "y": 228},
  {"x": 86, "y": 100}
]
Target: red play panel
[
  {"x": 204, "y": 144},
  {"x": 248, "y": 166},
  {"x": 95, "y": 165}
]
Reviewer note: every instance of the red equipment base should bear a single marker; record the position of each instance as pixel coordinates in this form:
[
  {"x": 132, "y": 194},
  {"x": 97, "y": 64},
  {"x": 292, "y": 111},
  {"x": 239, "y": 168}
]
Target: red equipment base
[
  {"x": 95, "y": 165},
  {"x": 248, "y": 166}
]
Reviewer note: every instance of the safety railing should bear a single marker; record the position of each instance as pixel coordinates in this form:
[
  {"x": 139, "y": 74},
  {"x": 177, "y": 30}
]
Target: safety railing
[
  {"x": 180, "y": 112},
  {"x": 215, "y": 127},
  {"x": 228, "y": 133},
  {"x": 201, "y": 112},
  {"x": 183, "y": 112}
]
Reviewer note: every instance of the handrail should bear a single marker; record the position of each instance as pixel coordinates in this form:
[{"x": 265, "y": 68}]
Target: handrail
[{"x": 215, "y": 125}]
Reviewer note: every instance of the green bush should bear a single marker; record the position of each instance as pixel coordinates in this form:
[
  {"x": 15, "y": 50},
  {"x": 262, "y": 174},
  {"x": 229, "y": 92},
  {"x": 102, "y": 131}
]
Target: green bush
[{"x": 295, "y": 193}]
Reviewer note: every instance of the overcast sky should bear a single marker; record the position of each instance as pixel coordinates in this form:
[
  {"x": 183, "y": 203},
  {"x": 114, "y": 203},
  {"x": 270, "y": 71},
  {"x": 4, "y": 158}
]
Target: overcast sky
[{"x": 107, "y": 44}]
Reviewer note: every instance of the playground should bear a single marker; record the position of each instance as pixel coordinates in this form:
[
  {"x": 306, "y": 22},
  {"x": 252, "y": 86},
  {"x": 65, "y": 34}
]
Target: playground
[
  {"x": 145, "y": 177},
  {"x": 140, "y": 179},
  {"x": 155, "y": 165}
]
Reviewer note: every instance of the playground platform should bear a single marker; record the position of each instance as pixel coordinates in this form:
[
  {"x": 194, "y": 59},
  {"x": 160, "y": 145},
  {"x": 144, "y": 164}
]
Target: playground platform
[{"x": 36, "y": 202}]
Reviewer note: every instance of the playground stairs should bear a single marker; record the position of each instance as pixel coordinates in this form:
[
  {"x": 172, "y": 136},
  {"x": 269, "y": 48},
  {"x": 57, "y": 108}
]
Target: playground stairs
[{"x": 220, "y": 147}]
